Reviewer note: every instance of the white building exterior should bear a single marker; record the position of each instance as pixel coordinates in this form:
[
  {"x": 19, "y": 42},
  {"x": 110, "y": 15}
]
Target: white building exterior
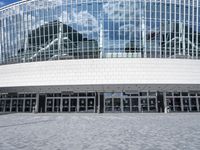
[{"x": 100, "y": 56}]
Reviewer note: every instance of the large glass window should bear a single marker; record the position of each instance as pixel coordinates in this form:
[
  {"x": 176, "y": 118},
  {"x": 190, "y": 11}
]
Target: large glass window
[{"x": 58, "y": 29}]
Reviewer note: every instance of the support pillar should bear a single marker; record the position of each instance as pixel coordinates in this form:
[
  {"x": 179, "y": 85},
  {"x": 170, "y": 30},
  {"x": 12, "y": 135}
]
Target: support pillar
[
  {"x": 86, "y": 103},
  {"x": 113, "y": 105},
  {"x": 69, "y": 108},
  {"x": 139, "y": 104},
  {"x": 53, "y": 105},
  {"x": 156, "y": 104},
  {"x": 37, "y": 103},
  {"x": 61, "y": 104},
  {"x": 23, "y": 109},
  {"x": 182, "y": 107},
  {"x": 4, "y": 106},
  {"x": 131, "y": 105},
  {"x": 78, "y": 105},
  {"x": 45, "y": 105},
  {"x": 17, "y": 105},
  {"x": 148, "y": 107},
  {"x": 31, "y": 105},
  {"x": 11, "y": 104},
  {"x": 95, "y": 103},
  {"x": 197, "y": 101},
  {"x": 98, "y": 107},
  {"x": 165, "y": 103},
  {"x": 173, "y": 104},
  {"x": 190, "y": 107},
  {"x": 121, "y": 105}
]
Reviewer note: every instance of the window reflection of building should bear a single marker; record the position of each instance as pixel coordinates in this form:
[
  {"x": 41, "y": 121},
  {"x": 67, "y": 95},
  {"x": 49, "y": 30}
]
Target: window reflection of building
[
  {"x": 52, "y": 30},
  {"x": 56, "y": 40}
]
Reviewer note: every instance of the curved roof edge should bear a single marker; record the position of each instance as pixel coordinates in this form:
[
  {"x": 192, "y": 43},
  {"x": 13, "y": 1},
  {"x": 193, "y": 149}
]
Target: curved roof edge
[{"x": 14, "y": 3}]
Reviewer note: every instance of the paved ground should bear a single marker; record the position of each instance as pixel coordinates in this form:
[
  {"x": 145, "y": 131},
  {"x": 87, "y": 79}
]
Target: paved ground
[{"x": 100, "y": 132}]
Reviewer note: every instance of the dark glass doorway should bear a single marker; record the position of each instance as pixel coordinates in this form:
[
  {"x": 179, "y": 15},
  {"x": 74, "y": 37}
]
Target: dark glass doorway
[{"x": 41, "y": 107}]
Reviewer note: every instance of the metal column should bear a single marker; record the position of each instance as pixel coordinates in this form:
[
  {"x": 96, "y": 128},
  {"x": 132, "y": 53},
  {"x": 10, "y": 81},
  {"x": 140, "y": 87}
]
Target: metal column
[
  {"x": 139, "y": 104},
  {"x": 190, "y": 107},
  {"x": 121, "y": 105},
  {"x": 61, "y": 104},
  {"x": 45, "y": 105},
  {"x": 197, "y": 101},
  {"x": 165, "y": 103},
  {"x": 98, "y": 107},
  {"x": 182, "y": 107},
  {"x": 77, "y": 105},
  {"x": 37, "y": 103},
  {"x": 23, "y": 105},
  {"x": 11, "y": 104}
]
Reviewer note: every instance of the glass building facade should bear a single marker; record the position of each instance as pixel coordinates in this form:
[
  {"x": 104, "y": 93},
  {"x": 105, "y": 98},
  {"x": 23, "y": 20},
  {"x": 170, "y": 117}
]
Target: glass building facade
[{"x": 42, "y": 30}]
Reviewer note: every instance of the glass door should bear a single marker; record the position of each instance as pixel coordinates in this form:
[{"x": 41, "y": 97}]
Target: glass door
[
  {"x": 90, "y": 104},
  {"x": 8, "y": 105},
  {"x": 20, "y": 105},
  {"x": 126, "y": 104},
  {"x": 57, "y": 105},
  {"x": 65, "y": 105},
  {"x": 82, "y": 104},
  {"x": 117, "y": 104},
  {"x": 14, "y": 105},
  {"x": 73, "y": 105},
  {"x": 108, "y": 105},
  {"x": 49, "y": 105}
]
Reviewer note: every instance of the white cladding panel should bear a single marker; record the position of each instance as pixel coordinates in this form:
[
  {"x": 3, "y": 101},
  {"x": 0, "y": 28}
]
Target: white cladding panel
[{"x": 101, "y": 71}]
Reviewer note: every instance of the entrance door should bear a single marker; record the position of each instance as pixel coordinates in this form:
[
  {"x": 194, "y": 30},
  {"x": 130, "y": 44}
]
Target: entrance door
[
  {"x": 20, "y": 105},
  {"x": 33, "y": 105},
  {"x": 73, "y": 105},
  {"x": 152, "y": 104},
  {"x": 57, "y": 105},
  {"x": 177, "y": 102},
  {"x": 126, "y": 104},
  {"x": 193, "y": 104},
  {"x": 82, "y": 104},
  {"x": 27, "y": 105},
  {"x": 108, "y": 105},
  {"x": 170, "y": 104},
  {"x": 144, "y": 105},
  {"x": 2, "y": 105},
  {"x": 90, "y": 104},
  {"x": 14, "y": 105},
  {"x": 42, "y": 103},
  {"x": 134, "y": 105},
  {"x": 185, "y": 104},
  {"x": 49, "y": 105},
  {"x": 117, "y": 104},
  {"x": 160, "y": 98},
  {"x": 65, "y": 105},
  {"x": 8, "y": 105}
]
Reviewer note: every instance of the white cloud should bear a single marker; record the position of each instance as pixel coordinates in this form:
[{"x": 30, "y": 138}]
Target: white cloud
[{"x": 2, "y": 4}]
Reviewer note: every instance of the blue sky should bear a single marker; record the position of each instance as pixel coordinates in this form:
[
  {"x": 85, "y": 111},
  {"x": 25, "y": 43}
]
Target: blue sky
[{"x": 6, "y": 2}]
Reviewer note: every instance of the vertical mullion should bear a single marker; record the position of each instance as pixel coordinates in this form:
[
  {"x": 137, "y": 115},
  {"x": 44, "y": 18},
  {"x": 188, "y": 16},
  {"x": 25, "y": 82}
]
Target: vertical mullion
[
  {"x": 170, "y": 28},
  {"x": 197, "y": 31},
  {"x": 165, "y": 29},
  {"x": 192, "y": 29},
  {"x": 188, "y": 46},
  {"x": 135, "y": 43},
  {"x": 175, "y": 31},
  {"x": 156, "y": 19},
  {"x": 184, "y": 25},
  {"x": 160, "y": 30},
  {"x": 144, "y": 30},
  {"x": 180, "y": 31},
  {"x": 150, "y": 45}
]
